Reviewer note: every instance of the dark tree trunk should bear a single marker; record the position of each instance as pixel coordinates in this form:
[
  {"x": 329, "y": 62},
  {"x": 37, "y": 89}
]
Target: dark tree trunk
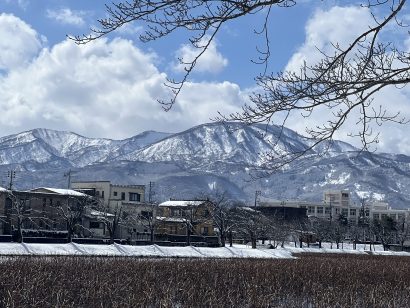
[
  {"x": 19, "y": 237},
  {"x": 152, "y": 236},
  {"x": 230, "y": 239},
  {"x": 253, "y": 241},
  {"x": 222, "y": 238},
  {"x": 69, "y": 235},
  {"x": 188, "y": 236}
]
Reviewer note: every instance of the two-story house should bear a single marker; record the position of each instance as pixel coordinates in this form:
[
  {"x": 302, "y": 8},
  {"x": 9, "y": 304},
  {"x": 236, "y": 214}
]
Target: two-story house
[{"x": 185, "y": 217}]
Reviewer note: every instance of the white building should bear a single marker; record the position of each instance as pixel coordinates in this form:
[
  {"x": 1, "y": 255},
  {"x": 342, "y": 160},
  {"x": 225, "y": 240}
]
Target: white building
[
  {"x": 112, "y": 194},
  {"x": 338, "y": 202}
]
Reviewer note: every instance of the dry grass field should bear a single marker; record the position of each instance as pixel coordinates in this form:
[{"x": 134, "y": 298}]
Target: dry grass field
[{"x": 313, "y": 280}]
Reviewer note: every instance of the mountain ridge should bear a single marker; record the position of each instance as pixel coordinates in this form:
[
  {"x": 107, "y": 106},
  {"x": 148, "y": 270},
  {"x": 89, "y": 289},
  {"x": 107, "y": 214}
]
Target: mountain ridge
[{"x": 205, "y": 158}]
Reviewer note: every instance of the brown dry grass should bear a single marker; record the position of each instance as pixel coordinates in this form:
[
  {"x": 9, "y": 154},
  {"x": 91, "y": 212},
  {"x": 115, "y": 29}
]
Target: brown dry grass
[{"x": 311, "y": 281}]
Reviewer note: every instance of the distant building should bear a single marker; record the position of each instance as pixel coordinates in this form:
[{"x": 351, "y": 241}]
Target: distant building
[
  {"x": 129, "y": 198},
  {"x": 176, "y": 216},
  {"x": 338, "y": 202},
  {"x": 112, "y": 194}
]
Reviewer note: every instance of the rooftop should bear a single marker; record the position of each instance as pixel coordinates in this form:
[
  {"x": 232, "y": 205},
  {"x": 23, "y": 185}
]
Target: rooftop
[
  {"x": 182, "y": 203},
  {"x": 60, "y": 191}
]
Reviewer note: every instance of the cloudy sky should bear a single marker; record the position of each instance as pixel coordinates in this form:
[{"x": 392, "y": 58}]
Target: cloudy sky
[{"x": 110, "y": 88}]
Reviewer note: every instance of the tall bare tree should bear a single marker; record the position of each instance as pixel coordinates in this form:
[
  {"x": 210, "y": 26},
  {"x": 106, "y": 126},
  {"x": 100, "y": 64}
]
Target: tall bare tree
[
  {"x": 72, "y": 211},
  {"x": 250, "y": 223},
  {"x": 343, "y": 83}
]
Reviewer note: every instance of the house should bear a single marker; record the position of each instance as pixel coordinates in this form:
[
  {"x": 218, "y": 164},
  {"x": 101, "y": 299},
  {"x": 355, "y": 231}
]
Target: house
[
  {"x": 40, "y": 212},
  {"x": 94, "y": 223},
  {"x": 185, "y": 217},
  {"x": 112, "y": 194},
  {"x": 126, "y": 201}
]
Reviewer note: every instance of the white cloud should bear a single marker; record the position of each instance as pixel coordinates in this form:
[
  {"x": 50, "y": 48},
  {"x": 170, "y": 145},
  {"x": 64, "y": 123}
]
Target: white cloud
[
  {"x": 67, "y": 16},
  {"x": 19, "y": 42},
  {"x": 340, "y": 25},
  {"x": 211, "y": 61},
  {"x": 105, "y": 89}
]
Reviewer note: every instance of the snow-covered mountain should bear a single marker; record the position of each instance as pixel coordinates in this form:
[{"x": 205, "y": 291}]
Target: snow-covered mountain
[
  {"x": 60, "y": 148},
  {"x": 206, "y": 158},
  {"x": 204, "y": 146}
]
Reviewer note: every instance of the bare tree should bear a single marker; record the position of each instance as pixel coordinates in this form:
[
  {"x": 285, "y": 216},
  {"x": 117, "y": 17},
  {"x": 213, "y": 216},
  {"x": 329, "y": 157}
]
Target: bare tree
[
  {"x": 344, "y": 82},
  {"x": 384, "y": 230},
  {"x": 321, "y": 229},
  {"x": 250, "y": 223},
  {"x": 202, "y": 18},
  {"x": 111, "y": 217},
  {"x": 20, "y": 215},
  {"x": 222, "y": 216},
  {"x": 72, "y": 211},
  {"x": 403, "y": 232},
  {"x": 145, "y": 218}
]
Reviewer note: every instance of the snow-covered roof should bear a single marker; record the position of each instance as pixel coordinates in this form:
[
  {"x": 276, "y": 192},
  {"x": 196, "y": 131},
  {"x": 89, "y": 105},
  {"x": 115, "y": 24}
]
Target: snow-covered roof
[
  {"x": 60, "y": 191},
  {"x": 171, "y": 219},
  {"x": 181, "y": 203},
  {"x": 2, "y": 189},
  {"x": 98, "y": 213}
]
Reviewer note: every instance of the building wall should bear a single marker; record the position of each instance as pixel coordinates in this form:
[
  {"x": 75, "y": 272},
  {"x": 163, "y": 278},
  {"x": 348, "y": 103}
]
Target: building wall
[
  {"x": 40, "y": 211},
  {"x": 173, "y": 219},
  {"x": 111, "y": 195},
  {"x": 338, "y": 202}
]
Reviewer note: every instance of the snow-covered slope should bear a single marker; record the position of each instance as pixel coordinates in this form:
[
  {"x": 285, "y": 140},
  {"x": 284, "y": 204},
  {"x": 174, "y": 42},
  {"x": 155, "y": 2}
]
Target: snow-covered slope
[
  {"x": 233, "y": 143},
  {"x": 67, "y": 148},
  {"x": 206, "y": 158}
]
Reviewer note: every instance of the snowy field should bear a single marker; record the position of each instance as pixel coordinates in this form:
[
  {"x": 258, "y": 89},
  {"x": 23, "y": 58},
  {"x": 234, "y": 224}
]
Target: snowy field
[{"x": 238, "y": 251}]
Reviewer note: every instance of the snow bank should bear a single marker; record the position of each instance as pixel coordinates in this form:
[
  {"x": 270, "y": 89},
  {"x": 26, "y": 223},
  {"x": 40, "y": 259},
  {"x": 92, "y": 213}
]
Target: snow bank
[
  {"x": 139, "y": 251},
  {"x": 238, "y": 251}
]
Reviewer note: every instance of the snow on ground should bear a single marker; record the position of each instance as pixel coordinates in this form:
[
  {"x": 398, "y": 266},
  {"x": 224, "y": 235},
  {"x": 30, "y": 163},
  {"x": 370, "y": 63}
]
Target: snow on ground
[{"x": 238, "y": 251}]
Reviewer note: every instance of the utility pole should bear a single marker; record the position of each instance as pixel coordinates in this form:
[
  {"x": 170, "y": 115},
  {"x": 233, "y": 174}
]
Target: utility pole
[
  {"x": 257, "y": 193},
  {"x": 11, "y": 174},
  {"x": 68, "y": 174},
  {"x": 150, "y": 192}
]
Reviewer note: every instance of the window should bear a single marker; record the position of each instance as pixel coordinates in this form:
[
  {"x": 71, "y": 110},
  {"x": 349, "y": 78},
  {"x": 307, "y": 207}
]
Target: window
[
  {"x": 102, "y": 194},
  {"x": 173, "y": 230},
  {"x": 345, "y": 195},
  {"x": 327, "y": 210},
  {"x": 115, "y": 194},
  {"x": 205, "y": 231},
  {"x": 176, "y": 212},
  {"x": 320, "y": 209},
  {"x": 146, "y": 214},
  {"x": 352, "y": 212},
  {"x": 367, "y": 213},
  {"x": 123, "y": 196},
  {"x": 376, "y": 216},
  {"x": 94, "y": 225},
  {"x": 135, "y": 197},
  {"x": 344, "y": 212},
  {"x": 311, "y": 209},
  {"x": 51, "y": 202}
]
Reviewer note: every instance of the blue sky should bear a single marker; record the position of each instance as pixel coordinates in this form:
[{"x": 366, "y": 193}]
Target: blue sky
[{"x": 109, "y": 88}]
